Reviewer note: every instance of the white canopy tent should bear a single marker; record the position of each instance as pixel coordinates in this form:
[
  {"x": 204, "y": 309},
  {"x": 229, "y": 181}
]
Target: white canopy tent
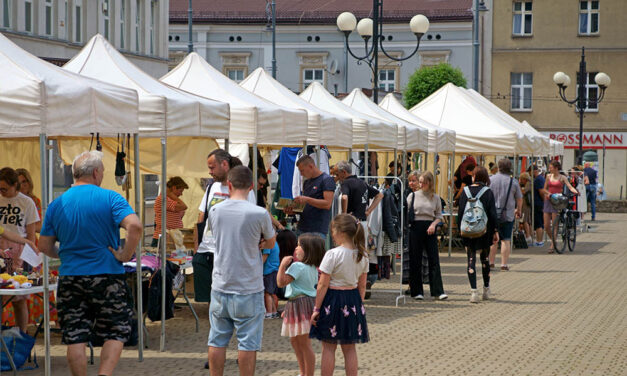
[
  {"x": 324, "y": 128},
  {"x": 529, "y": 141},
  {"x": 38, "y": 99},
  {"x": 441, "y": 140},
  {"x": 163, "y": 111},
  {"x": 557, "y": 148},
  {"x": 367, "y": 130},
  {"x": 477, "y": 131},
  {"x": 253, "y": 119},
  {"x": 411, "y": 137}
]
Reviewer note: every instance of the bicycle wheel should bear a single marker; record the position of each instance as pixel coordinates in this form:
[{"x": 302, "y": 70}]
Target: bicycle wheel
[
  {"x": 572, "y": 233},
  {"x": 560, "y": 235}
]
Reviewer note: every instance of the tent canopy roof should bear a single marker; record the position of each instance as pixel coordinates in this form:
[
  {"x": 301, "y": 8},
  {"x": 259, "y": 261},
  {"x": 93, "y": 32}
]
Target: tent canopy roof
[
  {"x": 411, "y": 137},
  {"x": 324, "y": 128},
  {"x": 163, "y": 110},
  {"x": 441, "y": 140},
  {"x": 367, "y": 130},
  {"x": 253, "y": 119},
  {"x": 38, "y": 97},
  {"x": 476, "y": 130}
]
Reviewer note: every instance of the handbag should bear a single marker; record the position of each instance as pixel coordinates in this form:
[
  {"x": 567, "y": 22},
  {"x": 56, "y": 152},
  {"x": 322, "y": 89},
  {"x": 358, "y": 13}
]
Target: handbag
[
  {"x": 200, "y": 226},
  {"x": 500, "y": 212}
]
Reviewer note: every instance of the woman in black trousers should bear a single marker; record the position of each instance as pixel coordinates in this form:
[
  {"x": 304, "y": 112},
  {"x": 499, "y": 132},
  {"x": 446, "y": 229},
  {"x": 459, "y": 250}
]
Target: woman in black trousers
[
  {"x": 425, "y": 213},
  {"x": 484, "y": 242}
]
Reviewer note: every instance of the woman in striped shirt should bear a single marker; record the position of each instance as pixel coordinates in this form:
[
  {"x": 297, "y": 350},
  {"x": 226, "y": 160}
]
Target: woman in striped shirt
[{"x": 175, "y": 208}]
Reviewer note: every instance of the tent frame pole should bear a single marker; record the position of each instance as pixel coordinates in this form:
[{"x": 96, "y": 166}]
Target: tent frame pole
[
  {"x": 255, "y": 169},
  {"x": 46, "y": 292},
  {"x": 451, "y": 159},
  {"x": 138, "y": 256},
  {"x": 163, "y": 240}
]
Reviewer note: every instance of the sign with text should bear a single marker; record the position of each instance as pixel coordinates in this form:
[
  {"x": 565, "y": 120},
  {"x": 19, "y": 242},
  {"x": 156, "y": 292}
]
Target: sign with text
[{"x": 591, "y": 140}]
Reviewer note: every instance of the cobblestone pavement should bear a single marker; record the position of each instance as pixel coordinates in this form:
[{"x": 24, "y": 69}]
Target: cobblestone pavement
[{"x": 551, "y": 315}]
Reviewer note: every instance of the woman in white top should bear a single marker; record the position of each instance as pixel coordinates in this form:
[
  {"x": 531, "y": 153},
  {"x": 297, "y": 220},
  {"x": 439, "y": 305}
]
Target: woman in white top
[
  {"x": 426, "y": 208},
  {"x": 339, "y": 315}
]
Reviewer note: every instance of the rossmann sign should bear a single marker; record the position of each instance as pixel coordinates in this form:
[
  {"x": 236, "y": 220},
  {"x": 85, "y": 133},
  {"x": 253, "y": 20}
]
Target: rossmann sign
[{"x": 591, "y": 140}]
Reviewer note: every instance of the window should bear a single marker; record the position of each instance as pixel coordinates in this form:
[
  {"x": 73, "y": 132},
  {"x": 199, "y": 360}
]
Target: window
[
  {"x": 235, "y": 74},
  {"x": 152, "y": 27},
  {"x": 138, "y": 22},
  {"x": 28, "y": 16},
  {"x": 387, "y": 79},
  {"x": 105, "y": 19},
  {"x": 522, "y": 21},
  {"x": 522, "y": 88},
  {"x": 78, "y": 26},
  {"x": 592, "y": 92},
  {"x": 48, "y": 17},
  {"x": 122, "y": 19},
  {"x": 6, "y": 13},
  {"x": 312, "y": 75},
  {"x": 588, "y": 17}
]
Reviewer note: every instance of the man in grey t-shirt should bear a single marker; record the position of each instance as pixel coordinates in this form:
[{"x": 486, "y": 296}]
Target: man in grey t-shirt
[
  {"x": 509, "y": 206},
  {"x": 241, "y": 230}
]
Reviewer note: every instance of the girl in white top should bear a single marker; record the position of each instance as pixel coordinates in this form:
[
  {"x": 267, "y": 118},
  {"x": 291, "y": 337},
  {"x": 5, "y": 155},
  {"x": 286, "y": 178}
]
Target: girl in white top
[{"x": 339, "y": 315}]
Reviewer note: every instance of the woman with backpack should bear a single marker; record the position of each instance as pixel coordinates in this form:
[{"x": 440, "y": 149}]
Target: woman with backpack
[
  {"x": 476, "y": 220},
  {"x": 424, "y": 214}
]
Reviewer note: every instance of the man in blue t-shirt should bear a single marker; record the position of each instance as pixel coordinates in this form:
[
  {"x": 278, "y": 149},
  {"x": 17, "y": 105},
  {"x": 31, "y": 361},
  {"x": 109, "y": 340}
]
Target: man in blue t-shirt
[
  {"x": 92, "y": 294},
  {"x": 590, "y": 179},
  {"x": 318, "y": 190}
]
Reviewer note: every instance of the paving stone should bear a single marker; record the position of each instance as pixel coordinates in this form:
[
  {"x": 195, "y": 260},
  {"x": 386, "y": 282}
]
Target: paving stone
[{"x": 550, "y": 315}]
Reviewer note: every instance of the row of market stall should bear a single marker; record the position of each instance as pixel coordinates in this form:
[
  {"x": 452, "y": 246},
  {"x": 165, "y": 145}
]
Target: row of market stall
[{"x": 100, "y": 92}]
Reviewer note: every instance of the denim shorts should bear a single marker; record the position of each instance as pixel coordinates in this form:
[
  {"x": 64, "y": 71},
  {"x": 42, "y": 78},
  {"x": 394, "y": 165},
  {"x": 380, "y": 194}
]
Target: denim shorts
[
  {"x": 242, "y": 313},
  {"x": 505, "y": 230}
]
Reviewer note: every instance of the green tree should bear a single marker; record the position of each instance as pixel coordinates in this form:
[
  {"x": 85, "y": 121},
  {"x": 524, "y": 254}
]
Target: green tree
[{"x": 426, "y": 80}]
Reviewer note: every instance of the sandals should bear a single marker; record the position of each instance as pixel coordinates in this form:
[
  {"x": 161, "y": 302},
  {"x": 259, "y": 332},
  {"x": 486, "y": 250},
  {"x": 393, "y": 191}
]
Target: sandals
[{"x": 551, "y": 251}]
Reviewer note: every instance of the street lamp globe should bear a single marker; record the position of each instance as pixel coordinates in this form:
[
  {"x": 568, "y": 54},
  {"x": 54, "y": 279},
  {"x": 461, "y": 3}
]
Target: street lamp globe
[
  {"x": 560, "y": 78},
  {"x": 419, "y": 24},
  {"x": 346, "y": 22},
  {"x": 364, "y": 28},
  {"x": 567, "y": 82},
  {"x": 602, "y": 79}
]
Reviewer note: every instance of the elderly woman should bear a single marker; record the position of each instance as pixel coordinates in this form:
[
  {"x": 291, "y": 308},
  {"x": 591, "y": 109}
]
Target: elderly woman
[
  {"x": 175, "y": 208},
  {"x": 17, "y": 214},
  {"x": 425, "y": 213},
  {"x": 526, "y": 189}
]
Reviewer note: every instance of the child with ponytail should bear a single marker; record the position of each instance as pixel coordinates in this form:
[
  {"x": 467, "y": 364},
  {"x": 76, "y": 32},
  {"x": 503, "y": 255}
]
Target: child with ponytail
[{"x": 339, "y": 315}]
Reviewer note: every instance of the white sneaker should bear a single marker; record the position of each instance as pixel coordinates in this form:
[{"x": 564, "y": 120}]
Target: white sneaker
[
  {"x": 538, "y": 244},
  {"x": 443, "y": 297},
  {"x": 474, "y": 296},
  {"x": 486, "y": 293},
  {"x": 419, "y": 297}
]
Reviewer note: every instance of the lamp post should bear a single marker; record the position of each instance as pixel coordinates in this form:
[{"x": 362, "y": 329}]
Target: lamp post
[
  {"x": 582, "y": 100},
  {"x": 373, "y": 28},
  {"x": 478, "y": 7},
  {"x": 190, "y": 40},
  {"x": 271, "y": 26}
]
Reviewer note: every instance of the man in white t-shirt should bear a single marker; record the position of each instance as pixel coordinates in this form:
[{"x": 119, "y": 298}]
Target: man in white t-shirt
[{"x": 219, "y": 163}]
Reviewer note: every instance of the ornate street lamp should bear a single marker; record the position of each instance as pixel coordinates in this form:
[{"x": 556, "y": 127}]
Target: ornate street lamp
[
  {"x": 373, "y": 28},
  {"x": 582, "y": 100}
]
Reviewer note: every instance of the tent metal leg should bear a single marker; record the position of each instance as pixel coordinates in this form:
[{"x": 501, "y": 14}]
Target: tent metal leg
[
  {"x": 450, "y": 203},
  {"x": 162, "y": 243},
  {"x": 46, "y": 292},
  {"x": 255, "y": 169},
  {"x": 138, "y": 200},
  {"x": 226, "y": 145}
]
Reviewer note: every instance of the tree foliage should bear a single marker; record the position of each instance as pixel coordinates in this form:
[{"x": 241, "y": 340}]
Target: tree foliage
[{"x": 428, "y": 79}]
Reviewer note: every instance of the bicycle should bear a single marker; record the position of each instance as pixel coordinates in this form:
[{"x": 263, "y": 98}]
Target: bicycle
[{"x": 566, "y": 230}]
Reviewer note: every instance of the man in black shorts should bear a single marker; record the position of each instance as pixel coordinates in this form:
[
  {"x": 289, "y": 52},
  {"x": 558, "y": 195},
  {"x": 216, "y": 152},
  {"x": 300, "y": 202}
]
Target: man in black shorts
[{"x": 93, "y": 297}]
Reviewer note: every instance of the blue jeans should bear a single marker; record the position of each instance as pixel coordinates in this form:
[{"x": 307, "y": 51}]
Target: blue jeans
[
  {"x": 591, "y": 196},
  {"x": 242, "y": 313}
]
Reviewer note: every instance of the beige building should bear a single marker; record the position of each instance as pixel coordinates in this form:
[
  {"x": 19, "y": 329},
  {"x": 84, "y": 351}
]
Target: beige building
[
  {"x": 531, "y": 40},
  {"x": 56, "y": 30}
]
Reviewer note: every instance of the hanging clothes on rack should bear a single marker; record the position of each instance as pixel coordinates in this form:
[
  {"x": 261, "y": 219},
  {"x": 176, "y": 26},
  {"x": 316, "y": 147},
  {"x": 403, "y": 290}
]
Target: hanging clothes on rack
[
  {"x": 285, "y": 165},
  {"x": 297, "y": 181}
]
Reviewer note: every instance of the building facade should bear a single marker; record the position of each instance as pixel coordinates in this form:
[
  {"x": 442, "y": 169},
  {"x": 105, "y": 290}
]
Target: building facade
[
  {"x": 56, "y": 30},
  {"x": 531, "y": 40},
  {"x": 236, "y": 37}
]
